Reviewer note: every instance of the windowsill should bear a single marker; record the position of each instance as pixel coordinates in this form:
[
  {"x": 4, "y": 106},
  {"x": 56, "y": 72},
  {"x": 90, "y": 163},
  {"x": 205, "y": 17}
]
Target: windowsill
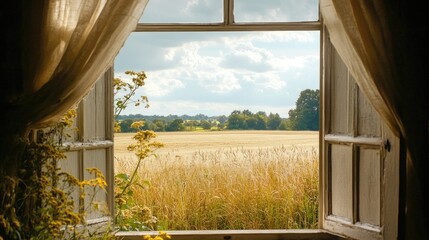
[{"x": 235, "y": 234}]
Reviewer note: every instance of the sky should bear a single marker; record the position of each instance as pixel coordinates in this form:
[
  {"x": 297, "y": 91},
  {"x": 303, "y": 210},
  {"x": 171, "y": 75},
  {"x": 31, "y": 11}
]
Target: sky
[{"x": 215, "y": 73}]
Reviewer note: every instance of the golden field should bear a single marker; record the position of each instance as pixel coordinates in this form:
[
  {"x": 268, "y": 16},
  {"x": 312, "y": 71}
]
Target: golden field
[
  {"x": 228, "y": 179},
  {"x": 187, "y": 143}
]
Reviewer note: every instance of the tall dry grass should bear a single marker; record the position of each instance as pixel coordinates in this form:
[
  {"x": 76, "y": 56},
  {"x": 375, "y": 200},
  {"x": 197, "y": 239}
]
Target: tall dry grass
[{"x": 236, "y": 188}]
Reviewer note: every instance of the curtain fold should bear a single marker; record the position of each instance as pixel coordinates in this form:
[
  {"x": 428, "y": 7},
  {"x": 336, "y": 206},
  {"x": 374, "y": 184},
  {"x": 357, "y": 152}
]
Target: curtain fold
[
  {"x": 68, "y": 46},
  {"x": 379, "y": 42},
  {"x": 356, "y": 31}
]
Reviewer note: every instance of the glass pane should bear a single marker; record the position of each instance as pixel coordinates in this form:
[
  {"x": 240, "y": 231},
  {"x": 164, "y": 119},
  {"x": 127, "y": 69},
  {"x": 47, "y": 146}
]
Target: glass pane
[
  {"x": 183, "y": 11},
  {"x": 276, "y": 10}
]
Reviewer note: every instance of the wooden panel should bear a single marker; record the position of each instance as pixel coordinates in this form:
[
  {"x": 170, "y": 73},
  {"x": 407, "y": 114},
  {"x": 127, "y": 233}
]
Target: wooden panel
[
  {"x": 341, "y": 181},
  {"x": 368, "y": 120},
  {"x": 89, "y": 148},
  {"x": 360, "y": 199},
  {"x": 341, "y": 98},
  {"x": 95, "y": 158},
  {"x": 89, "y": 116},
  {"x": 100, "y": 109},
  {"x": 390, "y": 184},
  {"x": 71, "y": 165},
  {"x": 94, "y": 112},
  {"x": 369, "y": 185}
]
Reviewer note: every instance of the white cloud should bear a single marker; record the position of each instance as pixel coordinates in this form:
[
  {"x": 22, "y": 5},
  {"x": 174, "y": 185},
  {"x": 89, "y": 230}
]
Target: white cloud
[
  {"x": 161, "y": 83},
  {"x": 218, "y": 82},
  {"x": 248, "y": 50},
  {"x": 285, "y": 63},
  {"x": 170, "y": 54},
  {"x": 200, "y": 69},
  {"x": 221, "y": 68}
]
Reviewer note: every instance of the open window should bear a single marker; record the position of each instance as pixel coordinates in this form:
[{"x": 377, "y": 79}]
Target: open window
[
  {"x": 359, "y": 156},
  {"x": 248, "y": 25},
  {"x": 359, "y": 161},
  {"x": 91, "y": 145}
]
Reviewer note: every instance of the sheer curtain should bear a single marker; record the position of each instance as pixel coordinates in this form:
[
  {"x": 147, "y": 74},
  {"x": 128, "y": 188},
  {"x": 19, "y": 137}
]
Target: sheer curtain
[
  {"x": 375, "y": 40},
  {"x": 68, "y": 45}
]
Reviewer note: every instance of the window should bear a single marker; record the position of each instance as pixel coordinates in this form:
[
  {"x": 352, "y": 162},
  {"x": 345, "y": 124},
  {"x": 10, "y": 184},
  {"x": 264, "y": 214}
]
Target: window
[
  {"x": 164, "y": 28},
  {"x": 360, "y": 159},
  {"x": 251, "y": 15},
  {"x": 358, "y": 162}
]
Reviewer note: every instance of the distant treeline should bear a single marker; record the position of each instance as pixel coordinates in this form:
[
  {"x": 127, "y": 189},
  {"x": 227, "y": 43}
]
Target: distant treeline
[
  {"x": 237, "y": 120},
  {"x": 304, "y": 117}
]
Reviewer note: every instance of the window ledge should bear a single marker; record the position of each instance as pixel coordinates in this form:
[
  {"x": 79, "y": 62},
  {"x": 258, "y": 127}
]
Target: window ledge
[{"x": 235, "y": 234}]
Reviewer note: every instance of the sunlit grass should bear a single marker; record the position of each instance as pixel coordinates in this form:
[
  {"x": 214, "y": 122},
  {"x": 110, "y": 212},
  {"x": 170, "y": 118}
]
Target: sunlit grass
[{"x": 235, "y": 188}]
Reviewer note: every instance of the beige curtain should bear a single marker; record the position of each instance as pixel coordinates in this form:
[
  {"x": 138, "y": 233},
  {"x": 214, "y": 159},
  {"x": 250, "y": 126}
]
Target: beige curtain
[
  {"x": 68, "y": 45},
  {"x": 374, "y": 39},
  {"x": 356, "y": 31}
]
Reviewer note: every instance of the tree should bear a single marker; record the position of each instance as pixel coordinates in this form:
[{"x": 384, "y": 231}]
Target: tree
[
  {"x": 190, "y": 124},
  {"x": 284, "y": 125},
  {"x": 247, "y": 113},
  {"x": 251, "y": 122},
  {"x": 237, "y": 120},
  {"x": 261, "y": 120},
  {"x": 306, "y": 114},
  {"x": 274, "y": 121},
  {"x": 175, "y": 125},
  {"x": 126, "y": 125},
  {"x": 159, "y": 125},
  {"x": 222, "y": 119},
  {"x": 206, "y": 125}
]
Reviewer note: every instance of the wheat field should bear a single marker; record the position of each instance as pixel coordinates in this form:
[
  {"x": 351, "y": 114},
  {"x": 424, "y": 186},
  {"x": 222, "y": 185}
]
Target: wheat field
[{"x": 228, "y": 179}]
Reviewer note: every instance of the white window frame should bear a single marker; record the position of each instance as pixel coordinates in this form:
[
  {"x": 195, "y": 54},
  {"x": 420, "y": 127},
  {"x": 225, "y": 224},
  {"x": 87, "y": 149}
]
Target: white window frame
[{"x": 229, "y": 24}]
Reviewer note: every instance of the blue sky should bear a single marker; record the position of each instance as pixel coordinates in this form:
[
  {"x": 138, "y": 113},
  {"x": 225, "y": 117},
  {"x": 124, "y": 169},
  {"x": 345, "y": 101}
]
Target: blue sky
[{"x": 214, "y": 73}]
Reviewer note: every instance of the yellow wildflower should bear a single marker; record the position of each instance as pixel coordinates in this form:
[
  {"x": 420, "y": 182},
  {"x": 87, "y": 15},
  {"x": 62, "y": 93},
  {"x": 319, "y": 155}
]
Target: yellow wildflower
[
  {"x": 137, "y": 124},
  {"x": 164, "y": 235}
]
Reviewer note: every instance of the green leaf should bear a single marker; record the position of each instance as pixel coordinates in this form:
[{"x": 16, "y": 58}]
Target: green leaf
[{"x": 123, "y": 176}]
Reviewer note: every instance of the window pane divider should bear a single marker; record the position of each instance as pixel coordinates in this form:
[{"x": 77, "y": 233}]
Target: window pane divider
[
  {"x": 76, "y": 146},
  {"x": 213, "y": 27},
  {"x": 361, "y": 140}
]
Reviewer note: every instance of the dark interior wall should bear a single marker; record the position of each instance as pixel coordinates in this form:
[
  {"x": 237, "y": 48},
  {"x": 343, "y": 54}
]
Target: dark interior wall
[
  {"x": 10, "y": 48},
  {"x": 11, "y": 80},
  {"x": 408, "y": 25}
]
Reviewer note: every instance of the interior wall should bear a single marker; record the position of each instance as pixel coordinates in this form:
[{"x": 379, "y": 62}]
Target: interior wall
[{"x": 409, "y": 28}]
